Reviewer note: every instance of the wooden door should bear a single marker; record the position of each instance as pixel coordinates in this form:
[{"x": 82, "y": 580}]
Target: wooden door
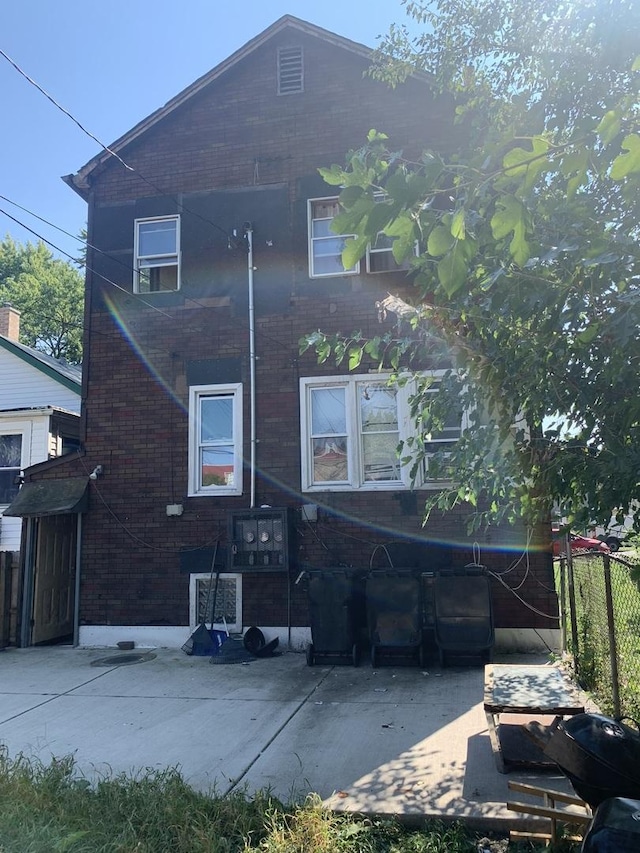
[{"x": 54, "y": 578}]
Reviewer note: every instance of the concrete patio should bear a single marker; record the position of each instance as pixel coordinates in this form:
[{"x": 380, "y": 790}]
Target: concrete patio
[{"x": 391, "y": 741}]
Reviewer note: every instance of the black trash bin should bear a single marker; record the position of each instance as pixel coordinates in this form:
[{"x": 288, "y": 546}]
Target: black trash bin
[
  {"x": 463, "y": 615},
  {"x": 394, "y": 617},
  {"x": 615, "y": 827},
  {"x": 335, "y": 602}
]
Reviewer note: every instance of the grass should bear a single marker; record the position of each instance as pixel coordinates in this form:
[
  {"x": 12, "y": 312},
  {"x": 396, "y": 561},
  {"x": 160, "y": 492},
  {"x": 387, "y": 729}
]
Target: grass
[{"x": 50, "y": 809}]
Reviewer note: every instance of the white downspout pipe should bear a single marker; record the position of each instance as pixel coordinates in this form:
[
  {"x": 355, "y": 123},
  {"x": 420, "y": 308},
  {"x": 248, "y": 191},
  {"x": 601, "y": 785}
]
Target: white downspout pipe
[{"x": 248, "y": 230}]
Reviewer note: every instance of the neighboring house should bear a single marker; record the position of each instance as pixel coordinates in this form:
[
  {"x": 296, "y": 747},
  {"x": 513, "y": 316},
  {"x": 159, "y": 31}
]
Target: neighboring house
[
  {"x": 220, "y": 446},
  {"x": 39, "y": 414}
]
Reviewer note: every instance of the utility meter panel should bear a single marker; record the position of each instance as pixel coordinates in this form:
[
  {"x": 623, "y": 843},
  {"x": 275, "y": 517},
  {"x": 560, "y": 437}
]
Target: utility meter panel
[{"x": 260, "y": 540}]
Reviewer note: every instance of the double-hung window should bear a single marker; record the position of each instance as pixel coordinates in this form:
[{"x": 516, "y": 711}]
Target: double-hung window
[
  {"x": 215, "y": 440},
  {"x": 325, "y": 247},
  {"x": 10, "y": 464},
  {"x": 352, "y": 428},
  {"x": 157, "y": 254}
]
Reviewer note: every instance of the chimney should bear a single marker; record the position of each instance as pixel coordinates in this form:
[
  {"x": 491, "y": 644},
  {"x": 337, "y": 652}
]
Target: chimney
[{"x": 9, "y": 322}]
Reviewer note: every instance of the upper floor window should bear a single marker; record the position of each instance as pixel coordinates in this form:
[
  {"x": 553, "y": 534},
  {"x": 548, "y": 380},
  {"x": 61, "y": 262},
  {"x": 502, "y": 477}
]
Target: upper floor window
[
  {"x": 157, "y": 254},
  {"x": 215, "y": 440},
  {"x": 290, "y": 70},
  {"x": 325, "y": 247},
  {"x": 352, "y": 427},
  {"x": 10, "y": 464}
]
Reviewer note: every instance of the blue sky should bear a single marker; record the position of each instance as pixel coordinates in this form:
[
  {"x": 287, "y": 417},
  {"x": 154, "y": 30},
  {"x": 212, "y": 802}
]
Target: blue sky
[{"x": 110, "y": 65}]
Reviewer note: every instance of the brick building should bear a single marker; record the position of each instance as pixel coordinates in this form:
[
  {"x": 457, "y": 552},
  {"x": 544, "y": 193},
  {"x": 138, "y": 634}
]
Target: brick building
[{"x": 220, "y": 445}]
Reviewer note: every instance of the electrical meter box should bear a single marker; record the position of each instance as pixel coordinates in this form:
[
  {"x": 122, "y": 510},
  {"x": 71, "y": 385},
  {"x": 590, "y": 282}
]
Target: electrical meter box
[{"x": 260, "y": 540}]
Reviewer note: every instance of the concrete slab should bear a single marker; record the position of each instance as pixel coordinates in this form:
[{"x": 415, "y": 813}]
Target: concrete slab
[{"x": 396, "y": 740}]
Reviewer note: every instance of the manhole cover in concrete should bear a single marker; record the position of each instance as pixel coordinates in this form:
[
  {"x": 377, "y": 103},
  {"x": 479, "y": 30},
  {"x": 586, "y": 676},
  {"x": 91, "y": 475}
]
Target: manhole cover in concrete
[{"x": 124, "y": 660}]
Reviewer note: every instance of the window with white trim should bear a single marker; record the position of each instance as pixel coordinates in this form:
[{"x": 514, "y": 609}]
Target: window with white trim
[
  {"x": 157, "y": 254},
  {"x": 215, "y": 440},
  {"x": 10, "y": 465},
  {"x": 351, "y": 428},
  {"x": 325, "y": 247}
]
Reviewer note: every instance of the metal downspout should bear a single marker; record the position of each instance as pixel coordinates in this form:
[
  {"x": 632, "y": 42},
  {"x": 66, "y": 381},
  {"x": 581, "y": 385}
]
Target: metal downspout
[
  {"x": 248, "y": 230},
  {"x": 76, "y": 596}
]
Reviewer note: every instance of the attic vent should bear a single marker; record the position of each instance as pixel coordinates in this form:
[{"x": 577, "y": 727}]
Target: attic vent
[{"x": 290, "y": 70}]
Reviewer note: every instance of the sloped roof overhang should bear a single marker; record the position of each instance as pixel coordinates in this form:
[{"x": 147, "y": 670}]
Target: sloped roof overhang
[
  {"x": 80, "y": 181},
  {"x": 50, "y": 497}
]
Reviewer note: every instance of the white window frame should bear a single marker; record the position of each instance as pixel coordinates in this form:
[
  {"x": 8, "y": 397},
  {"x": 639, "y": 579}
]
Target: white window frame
[
  {"x": 173, "y": 259},
  {"x": 197, "y": 393},
  {"x": 355, "y": 463},
  {"x": 194, "y": 579},
  {"x": 313, "y": 241}
]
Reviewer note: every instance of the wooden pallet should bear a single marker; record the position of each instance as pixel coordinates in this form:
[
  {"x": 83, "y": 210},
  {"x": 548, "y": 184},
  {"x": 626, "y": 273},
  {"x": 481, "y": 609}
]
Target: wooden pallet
[{"x": 574, "y": 813}]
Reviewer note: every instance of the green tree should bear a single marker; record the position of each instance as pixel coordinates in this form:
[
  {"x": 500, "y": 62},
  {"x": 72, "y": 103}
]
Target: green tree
[
  {"x": 49, "y": 293},
  {"x": 528, "y": 280}
]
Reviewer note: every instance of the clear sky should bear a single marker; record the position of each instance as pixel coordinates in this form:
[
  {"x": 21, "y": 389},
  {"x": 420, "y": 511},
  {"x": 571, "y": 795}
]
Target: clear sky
[{"x": 110, "y": 65}]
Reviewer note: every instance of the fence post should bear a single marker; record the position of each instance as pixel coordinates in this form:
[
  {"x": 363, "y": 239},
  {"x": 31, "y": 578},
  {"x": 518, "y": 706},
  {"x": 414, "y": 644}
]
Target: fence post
[
  {"x": 572, "y": 612},
  {"x": 563, "y": 607},
  {"x": 613, "y": 650}
]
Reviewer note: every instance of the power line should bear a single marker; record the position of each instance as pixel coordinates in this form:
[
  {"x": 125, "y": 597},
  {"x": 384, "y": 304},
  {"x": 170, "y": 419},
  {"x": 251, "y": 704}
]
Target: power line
[
  {"x": 110, "y": 150},
  {"x": 61, "y": 108},
  {"x": 95, "y": 272}
]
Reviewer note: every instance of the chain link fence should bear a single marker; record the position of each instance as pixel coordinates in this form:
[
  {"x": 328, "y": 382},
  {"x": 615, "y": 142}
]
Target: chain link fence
[{"x": 600, "y": 605}]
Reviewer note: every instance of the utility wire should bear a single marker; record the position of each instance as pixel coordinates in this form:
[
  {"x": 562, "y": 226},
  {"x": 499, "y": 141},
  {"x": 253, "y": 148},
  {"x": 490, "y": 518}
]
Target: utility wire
[
  {"x": 62, "y": 109},
  {"x": 110, "y": 151},
  {"x": 116, "y": 260},
  {"x": 95, "y": 272}
]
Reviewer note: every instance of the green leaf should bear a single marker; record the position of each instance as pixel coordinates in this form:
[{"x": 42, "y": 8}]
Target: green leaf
[
  {"x": 520, "y": 163},
  {"x": 334, "y": 176},
  {"x": 458, "y": 229},
  {"x": 589, "y": 334},
  {"x": 508, "y": 216},
  {"x": 452, "y": 271},
  {"x": 626, "y": 164},
  {"x": 440, "y": 241},
  {"x": 354, "y": 249},
  {"x": 355, "y": 357},
  {"x": 378, "y": 219},
  {"x": 350, "y": 195},
  {"x": 609, "y": 127}
]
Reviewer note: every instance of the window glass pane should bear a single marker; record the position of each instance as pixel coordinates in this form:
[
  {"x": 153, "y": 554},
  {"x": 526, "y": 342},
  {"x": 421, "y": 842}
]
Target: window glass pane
[
  {"x": 378, "y": 408},
  {"x": 322, "y": 228},
  {"x": 330, "y": 460},
  {"x": 8, "y": 489},
  {"x": 217, "y": 466},
  {"x": 155, "y": 279},
  {"x": 157, "y": 238},
  {"x": 10, "y": 451},
  {"x": 379, "y": 457},
  {"x": 328, "y": 412},
  {"x": 216, "y": 419}
]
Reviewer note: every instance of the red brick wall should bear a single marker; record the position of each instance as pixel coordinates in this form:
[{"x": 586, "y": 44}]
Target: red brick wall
[{"x": 239, "y": 134}]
